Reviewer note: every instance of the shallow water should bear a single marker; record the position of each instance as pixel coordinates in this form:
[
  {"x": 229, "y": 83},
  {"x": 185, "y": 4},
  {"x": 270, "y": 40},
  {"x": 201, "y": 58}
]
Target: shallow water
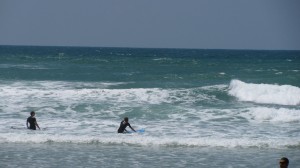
[{"x": 99, "y": 155}]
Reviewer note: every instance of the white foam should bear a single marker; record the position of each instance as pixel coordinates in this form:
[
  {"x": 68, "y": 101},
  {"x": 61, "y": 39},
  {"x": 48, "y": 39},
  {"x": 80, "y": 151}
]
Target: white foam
[
  {"x": 82, "y": 130},
  {"x": 162, "y": 59},
  {"x": 146, "y": 140},
  {"x": 274, "y": 115},
  {"x": 92, "y": 130},
  {"x": 22, "y": 66},
  {"x": 265, "y": 93},
  {"x": 17, "y": 96}
]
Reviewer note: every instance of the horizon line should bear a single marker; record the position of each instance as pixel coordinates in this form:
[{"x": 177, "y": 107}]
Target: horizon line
[{"x": 170, "y": 48}]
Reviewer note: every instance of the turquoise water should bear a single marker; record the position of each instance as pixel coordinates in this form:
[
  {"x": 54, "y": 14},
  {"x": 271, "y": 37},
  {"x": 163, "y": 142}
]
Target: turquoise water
[{"x": 200, "y": 108}]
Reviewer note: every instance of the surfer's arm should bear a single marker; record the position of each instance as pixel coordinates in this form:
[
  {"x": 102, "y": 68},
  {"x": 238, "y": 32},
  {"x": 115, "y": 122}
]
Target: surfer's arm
[
  {"x": 37, "y": 125},
  {"x": 132, "y": 129}
]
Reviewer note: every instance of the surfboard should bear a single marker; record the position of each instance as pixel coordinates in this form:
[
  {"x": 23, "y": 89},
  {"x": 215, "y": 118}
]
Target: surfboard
[
  {"x": 137, "y": 131},
  {"x": 25, "y": 128},
  {"x": 18, "y": 128}
]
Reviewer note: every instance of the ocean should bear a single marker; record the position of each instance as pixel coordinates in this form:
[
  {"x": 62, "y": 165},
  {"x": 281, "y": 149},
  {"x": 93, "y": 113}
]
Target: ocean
[{"x": 199, "y": 107}]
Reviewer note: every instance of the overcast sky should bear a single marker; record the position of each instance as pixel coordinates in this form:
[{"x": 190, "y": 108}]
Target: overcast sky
[{"x": 204, "y": 24}]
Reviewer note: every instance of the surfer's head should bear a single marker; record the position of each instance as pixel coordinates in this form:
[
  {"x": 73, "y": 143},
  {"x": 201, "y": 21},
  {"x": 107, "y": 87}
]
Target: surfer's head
[
  {"x": 32, "y": 113},
  {"x": 126, "y": 119},
  {"x": 284, "y": 162}
]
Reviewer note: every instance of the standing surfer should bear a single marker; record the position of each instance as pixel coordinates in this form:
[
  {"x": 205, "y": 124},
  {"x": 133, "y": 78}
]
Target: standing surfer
[{"x": 32, "y": 121}]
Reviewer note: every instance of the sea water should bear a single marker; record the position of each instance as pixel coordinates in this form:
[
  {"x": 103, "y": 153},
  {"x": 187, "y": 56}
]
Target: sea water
[{"x": 199, "y": 108}]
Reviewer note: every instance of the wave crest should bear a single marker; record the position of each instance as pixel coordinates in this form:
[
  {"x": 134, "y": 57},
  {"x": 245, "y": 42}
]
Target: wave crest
[
  {"x": 265, "y": 93},
  {"x": 142, "y": 140}
]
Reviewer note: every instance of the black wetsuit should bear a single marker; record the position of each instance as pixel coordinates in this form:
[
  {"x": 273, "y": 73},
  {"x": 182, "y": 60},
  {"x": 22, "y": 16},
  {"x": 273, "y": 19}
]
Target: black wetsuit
[
  {"x": 123, "y": 126},
  {"x": 32, "y": 122}
]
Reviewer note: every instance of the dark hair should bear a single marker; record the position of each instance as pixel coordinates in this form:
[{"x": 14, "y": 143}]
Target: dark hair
[
  {"x": 31, "y": 113},
  {"x": 286, "y": 160},
  {"x": 126, "y": 119}
]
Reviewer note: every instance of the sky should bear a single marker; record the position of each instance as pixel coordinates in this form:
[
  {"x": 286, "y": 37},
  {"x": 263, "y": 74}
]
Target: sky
[{"x": 201, "y": 24}]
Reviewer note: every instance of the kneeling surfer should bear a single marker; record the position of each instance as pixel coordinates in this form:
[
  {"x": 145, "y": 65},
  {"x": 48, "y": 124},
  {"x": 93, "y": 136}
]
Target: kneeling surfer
[{"x": 123, "y": 126}]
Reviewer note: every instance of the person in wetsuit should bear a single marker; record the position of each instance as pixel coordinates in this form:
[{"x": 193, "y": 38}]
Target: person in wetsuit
[
  {"x": 32, "y": 121},
  {"x": 123, "y": 126}
]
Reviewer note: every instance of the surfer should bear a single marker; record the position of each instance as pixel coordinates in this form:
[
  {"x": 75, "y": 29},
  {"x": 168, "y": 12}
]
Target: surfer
[
  {"x": 123, "y": 126},
  {"x": 32, "y": 121},
  {"x": 284, "y": 162}
]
